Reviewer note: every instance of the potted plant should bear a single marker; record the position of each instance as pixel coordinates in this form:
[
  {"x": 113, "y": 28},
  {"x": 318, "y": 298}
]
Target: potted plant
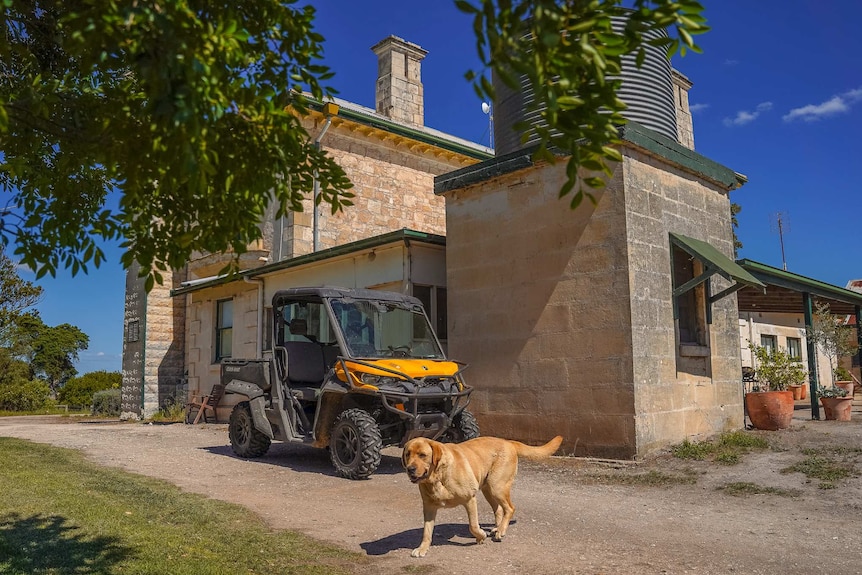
[
  {"x": 836, "y": 402},
  {"x": 770, "y": 404},
  {"x": 835, "y": 339},
  {"x": 842, "y": 378}
]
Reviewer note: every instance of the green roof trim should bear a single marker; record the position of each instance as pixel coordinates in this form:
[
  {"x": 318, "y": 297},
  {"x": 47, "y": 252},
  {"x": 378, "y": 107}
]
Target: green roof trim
[
  {"x": 782, "y": 278},
  {"x": 632, "y": 133},
  {"x": 714, "y": 262},
  {"x": 401, "y": 130},
  {"x": 404, "y": 236},
  {"x": 675, "y": 152}
]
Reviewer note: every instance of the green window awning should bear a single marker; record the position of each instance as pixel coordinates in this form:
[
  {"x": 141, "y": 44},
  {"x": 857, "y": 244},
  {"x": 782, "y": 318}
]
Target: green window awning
[{"x": 714, "y": 262}]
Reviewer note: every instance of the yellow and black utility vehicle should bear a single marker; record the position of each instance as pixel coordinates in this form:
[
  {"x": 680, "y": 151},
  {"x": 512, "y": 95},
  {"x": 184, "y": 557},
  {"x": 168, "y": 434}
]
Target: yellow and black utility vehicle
[{"x": 351, "y": 370}]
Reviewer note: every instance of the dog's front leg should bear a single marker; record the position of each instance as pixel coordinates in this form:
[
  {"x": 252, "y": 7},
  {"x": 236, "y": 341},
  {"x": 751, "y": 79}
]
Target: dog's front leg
[
  {"x": 473, "y": 518},
  {"x": 428, "y": 530}
]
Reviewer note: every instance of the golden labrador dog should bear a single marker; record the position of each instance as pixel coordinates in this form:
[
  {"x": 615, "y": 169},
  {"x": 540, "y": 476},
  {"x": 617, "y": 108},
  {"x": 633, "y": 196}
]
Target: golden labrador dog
[{"x": 450, "y": 474}]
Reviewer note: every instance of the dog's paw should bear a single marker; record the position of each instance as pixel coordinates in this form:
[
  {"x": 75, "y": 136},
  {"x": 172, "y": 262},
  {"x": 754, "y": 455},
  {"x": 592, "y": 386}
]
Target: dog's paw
[
  {"x": 481, "y": 538},
  {"x": 418, "y": 552},
  {"x": 495, "y": 535}
]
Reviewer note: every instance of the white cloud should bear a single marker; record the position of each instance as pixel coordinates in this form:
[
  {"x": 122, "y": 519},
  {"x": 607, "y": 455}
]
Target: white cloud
[
  {"x": 695, "y": 108},
  {"x": 731, "y": 62},
  {"x": 839, "y": 104},
  {"x": 745, "y": 117}
]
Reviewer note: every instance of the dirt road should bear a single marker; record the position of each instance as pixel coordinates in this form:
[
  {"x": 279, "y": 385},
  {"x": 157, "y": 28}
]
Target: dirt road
[{"x": 565, "y": 523}]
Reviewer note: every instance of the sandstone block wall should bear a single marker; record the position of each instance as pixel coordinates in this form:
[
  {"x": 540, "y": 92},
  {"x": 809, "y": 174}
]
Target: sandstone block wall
[
  {"x": 671, "y": 403},
  {"x": 539, "y": 308},
  {"x": 566, "y": 317},
  {"x": 394, "y": 188}
]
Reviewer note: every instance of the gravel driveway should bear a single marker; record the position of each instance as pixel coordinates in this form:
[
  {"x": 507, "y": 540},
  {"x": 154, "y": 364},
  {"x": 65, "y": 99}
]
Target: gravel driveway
[{"x": 565, "y": 522}]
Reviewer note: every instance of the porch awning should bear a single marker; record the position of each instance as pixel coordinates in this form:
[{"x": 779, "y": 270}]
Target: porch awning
[{"x": 714, "y": 262}]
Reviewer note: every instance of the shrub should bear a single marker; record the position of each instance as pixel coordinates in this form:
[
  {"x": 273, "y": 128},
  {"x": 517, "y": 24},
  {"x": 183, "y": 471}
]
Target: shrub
[
  {"x": 106, "y": 402},
  {"x": 24, "y": 395},
  {"x": 80, "y": 390}
]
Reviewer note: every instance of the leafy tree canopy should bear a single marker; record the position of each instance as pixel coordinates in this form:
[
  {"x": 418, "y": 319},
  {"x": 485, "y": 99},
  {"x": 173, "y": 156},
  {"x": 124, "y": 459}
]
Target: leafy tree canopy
[
  {"x": 189, "y": 110},
  {"x": 186, "y": 108},
  {"x": 51, "y": 351},
  {"x": 16, "y": 296},
  {"x": 80, "y": 390}
]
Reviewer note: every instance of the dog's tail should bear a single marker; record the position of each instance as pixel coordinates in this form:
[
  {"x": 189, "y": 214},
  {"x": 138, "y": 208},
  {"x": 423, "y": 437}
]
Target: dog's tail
[{"x": 538, "y": 452}]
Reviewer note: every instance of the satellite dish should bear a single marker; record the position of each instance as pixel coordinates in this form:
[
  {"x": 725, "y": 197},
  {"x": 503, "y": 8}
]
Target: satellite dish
[{"x": 486, "y": 107}]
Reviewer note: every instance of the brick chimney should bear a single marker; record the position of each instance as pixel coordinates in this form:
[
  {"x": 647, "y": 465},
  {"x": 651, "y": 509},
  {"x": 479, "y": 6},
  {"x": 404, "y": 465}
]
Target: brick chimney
[
  {"x": 399, "y": 93},
  {"x": 684, "y": 126}
]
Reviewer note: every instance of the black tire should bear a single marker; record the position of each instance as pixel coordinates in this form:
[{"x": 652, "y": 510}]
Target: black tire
[
  {"x": 245, "y": 439},
  {"x": 464, "y": 427},
  {"x": 355, "y": 444}
]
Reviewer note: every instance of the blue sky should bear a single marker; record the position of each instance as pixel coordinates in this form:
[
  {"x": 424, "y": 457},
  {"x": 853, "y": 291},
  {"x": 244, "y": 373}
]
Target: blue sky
[{"x": 777, "y": 96}]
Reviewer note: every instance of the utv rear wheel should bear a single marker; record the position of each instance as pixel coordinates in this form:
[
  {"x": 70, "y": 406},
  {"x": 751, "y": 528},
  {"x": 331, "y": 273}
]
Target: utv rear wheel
[
  {"x": 464, "y": 427},
  {"x": 245, "y": 439},
  {"x": 355, "y": 444}
]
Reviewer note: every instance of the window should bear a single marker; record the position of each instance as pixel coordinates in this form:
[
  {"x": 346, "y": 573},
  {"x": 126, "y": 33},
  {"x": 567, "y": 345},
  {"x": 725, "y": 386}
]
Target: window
[
  {"x": 794, "y": 348},
  {"x": 768, "y": 342},
  {"x": 133, "y": 331},
  {"x": 224, "y": 329},
  {"x": 434, "y": 300},
  {"x": 690, "y": 304}
]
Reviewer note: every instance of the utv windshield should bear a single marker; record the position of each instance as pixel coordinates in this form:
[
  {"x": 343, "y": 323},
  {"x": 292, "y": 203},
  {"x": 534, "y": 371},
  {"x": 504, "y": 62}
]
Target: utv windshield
[{"x": 377, "y": 330}]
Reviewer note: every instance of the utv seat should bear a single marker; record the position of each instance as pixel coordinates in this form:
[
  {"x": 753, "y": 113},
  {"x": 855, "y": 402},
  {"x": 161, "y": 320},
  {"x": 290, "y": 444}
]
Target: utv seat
[{"x": 306, "y": 367}]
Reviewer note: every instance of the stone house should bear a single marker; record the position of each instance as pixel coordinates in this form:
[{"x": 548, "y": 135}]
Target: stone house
[
  {"x": 176, "y": 334},
  {"x": 615, "y": 325}
]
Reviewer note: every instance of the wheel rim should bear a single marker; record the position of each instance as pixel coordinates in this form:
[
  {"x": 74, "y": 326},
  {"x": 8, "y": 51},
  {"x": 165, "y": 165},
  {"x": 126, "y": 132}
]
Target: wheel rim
[
  {"x": 243, "y": 430},
  {"x": 347, "y": 445}
]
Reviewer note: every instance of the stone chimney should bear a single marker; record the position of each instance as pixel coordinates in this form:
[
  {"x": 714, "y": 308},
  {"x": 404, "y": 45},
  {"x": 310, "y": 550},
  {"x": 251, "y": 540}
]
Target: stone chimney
[
  {"x": 399, "y": 93},
  {"x": 684, "y": 127}
]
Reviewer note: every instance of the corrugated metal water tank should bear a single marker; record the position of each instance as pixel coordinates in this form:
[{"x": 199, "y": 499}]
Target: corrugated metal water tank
[{"x": 647, "y": 91}]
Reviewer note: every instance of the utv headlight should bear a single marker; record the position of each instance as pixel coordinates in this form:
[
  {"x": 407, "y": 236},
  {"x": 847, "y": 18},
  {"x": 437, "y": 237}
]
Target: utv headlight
[{"x": 377, "y": 380}]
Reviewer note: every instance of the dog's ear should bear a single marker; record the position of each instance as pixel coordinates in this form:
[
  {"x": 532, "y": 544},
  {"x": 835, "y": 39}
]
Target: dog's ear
[
  {"x": 404, "y": 453},
  {"x": 436, "y": 455}
]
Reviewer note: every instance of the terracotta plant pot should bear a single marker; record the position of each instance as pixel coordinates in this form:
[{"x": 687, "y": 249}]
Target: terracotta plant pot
[
  {"x": 845, "y": 385},
  {"x": 770, "y": 410},
  {"x": 797, "y": 392},
  {"x": 837, "y": 408},
  {"x": 805, "y": 391}
]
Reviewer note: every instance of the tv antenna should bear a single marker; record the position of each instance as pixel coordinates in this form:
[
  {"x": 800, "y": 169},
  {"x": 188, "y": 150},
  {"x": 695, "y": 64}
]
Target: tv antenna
[
  {"x": 486, "y": 109},
  {"x": 780, "y": 224}
]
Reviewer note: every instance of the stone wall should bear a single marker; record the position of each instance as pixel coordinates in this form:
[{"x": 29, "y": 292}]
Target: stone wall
[
  {"x": 566, "y": 317},
  {"x": 393, "y": 184},
  {"x": 539, "y": 308},
  {"x": 153, "y": 346},
  {"x": 671, "y": 403}
]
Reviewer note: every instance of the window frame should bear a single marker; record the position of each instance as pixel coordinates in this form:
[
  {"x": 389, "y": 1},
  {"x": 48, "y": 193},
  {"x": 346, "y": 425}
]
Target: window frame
[{"x": 223, "y": 333}]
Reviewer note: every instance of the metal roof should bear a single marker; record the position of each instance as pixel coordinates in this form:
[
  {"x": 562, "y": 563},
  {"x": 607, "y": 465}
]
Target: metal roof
[
  {"x": 399, "y": 236},
  {"x": 784, "y": 291}
]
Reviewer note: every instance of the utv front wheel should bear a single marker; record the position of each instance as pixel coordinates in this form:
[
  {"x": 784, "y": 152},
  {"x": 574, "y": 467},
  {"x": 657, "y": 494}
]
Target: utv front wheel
[
  {"x": 464, "y": 427},
  {"x": 355, "y": 444},
  {"x": 245, "y": 439}
]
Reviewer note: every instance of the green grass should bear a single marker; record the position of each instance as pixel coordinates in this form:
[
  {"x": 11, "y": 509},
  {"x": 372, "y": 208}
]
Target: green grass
[
  {"x": 60, "y": 514},
  {"x": 825, "y": 465},
  {"x": 651, "y": 478},
  {"x": 741, "y": 488},
  {"x": 46, "y": 411},
  {"x": 728, "y": 448}
]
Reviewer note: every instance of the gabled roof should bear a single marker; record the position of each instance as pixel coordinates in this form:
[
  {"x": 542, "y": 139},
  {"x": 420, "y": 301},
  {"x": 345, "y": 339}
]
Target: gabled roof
[{"x": 352, "y": 112}]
